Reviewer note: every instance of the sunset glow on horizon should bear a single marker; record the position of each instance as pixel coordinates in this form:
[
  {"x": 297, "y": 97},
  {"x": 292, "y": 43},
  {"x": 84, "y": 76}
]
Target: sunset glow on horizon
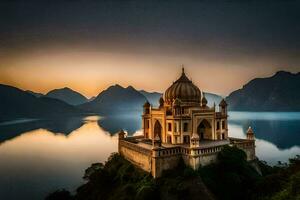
[
  {"x": 90, "y": 72},
  {"x": 46, "y": 46}
]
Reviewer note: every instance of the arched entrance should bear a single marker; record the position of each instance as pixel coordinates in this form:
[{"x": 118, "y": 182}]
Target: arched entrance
[
  {"x": 157, "y": 129},
  {"x": 204, "y": 130}
]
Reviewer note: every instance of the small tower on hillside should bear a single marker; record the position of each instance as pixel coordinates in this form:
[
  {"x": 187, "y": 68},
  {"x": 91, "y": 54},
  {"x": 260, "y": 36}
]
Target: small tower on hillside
[{"x": 250, "y": 134}]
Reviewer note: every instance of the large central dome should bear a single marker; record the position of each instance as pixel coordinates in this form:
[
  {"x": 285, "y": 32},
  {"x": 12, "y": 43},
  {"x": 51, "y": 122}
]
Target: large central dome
[{"x": 184, "y": 90}]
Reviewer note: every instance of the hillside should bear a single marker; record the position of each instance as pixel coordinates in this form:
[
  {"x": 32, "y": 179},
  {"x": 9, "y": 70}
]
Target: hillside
[
  {"x": 212, "y": 98},
  {"x": 116, "y": 99},
  {"x": 18, "y": 103},
  {"x": 36, "y": 94},
  {"x": 67, "y": 95},
  {"x": 152, "y": 97},
  {"x": 119, "y": 179},
  {"x": 280, "y": 92}
]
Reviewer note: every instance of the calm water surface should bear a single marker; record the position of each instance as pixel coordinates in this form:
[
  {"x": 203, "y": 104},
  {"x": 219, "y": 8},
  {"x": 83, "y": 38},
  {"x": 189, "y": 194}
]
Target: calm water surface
[{"x": 40, "y": 156}]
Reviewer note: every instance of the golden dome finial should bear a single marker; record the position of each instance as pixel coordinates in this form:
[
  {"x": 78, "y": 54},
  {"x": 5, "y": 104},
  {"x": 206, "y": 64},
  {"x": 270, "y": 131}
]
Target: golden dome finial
[
  {"x": 182, "y": 68},
  {"x": 184, "y": 90}
]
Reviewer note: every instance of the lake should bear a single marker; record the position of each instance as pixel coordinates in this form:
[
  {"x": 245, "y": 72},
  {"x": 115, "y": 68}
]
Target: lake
[{"x": 39, "y": 156}]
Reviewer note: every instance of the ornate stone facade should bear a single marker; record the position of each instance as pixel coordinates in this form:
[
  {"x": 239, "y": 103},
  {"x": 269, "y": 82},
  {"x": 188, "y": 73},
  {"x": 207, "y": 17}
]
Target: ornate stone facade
[
  {"x": 184, "y": 112},
  {"x": 183, "y": 126}
]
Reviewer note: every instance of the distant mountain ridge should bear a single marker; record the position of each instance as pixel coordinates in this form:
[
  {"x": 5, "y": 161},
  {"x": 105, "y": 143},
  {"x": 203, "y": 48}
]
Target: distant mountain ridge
[
  {"x": 280, "y": 92},
  {"x": 116, "y": 99},
  {"x": 67, "y": 95},
  {"x": 36, "y": 94},
  {"x": 15, "y": 103},
  {"x": 212, "y": 99},
  {"x": 152, "y": 97}
]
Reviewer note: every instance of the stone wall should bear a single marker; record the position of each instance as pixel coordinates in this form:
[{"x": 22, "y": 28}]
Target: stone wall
[
  {"x": 201, "y": 160},
  {"x": 140, "y": 157},
  {"x": 202, "y": 156},
  {"x": 250, "y": 152},
  {"x": 159, "y": 164},
  {"x": 248, "y": 146},
  {"x": 156, "y": 160}
]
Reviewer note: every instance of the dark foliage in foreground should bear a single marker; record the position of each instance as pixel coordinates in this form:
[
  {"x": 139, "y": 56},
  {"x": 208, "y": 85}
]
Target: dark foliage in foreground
[
  {"x": 231, "y": 178},
  {"x": 119, "y": 179},
  {"x": 234, "y": 178},
  {"x": 281, "y": 182},
  {"x": 60, "y": 195}
]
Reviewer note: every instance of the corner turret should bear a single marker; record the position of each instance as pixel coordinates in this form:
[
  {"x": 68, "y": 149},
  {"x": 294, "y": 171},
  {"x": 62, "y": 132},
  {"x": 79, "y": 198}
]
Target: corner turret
[
  {"x": 147, "y": 107},
  {"x": 195, "y": 140},
  {"x": 250, "y": 134},
  {"x": 223, "y": 107},
  {"x": 121, "y": 134}
]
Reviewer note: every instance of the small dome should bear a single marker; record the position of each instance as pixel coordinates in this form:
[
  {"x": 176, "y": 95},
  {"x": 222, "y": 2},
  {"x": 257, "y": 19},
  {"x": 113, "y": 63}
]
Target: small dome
[
  {"x": 147, "y": 104},
  {"x": 250, "y": 131},
  {"x": 184, "y": 90},
  {"x": 223, "y": 103}
]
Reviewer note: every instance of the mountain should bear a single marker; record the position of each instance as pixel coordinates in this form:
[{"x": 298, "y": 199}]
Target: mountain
[
  {"x": 212, "y": 98},
  {"x": 116, "y": 99},
  {"x": 67, "y": 95},
  {"x": 91, "y": 99},
  {"x": 281, "y": 92},
  {"x": 152, "y": 97},
  {"x": 18, "y": 103},
  {"x": 36, "y": 94}
]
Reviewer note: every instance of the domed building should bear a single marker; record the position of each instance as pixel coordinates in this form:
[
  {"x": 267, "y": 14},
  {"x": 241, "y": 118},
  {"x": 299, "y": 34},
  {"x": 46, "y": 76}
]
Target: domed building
[
  {"x": 182, "y": 112},
  {"x": 183, "y": 126}
]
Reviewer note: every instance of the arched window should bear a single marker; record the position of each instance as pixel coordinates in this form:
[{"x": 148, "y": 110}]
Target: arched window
[
  {"x": 185, "y": 127},
  {"x": 157, "y": 129},
  {"x": 202, "y": 127}
]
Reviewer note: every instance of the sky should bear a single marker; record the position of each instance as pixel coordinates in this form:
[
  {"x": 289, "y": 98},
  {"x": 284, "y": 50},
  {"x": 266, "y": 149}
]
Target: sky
[{"x": 89, "y": 45}]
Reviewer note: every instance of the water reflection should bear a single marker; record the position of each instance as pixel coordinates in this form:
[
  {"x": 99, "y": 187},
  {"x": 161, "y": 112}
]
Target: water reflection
[
  {"x": 65, "y": 126},
  {"x": 281, "y": 129},
  {"x": 38, "y": 156},
  {"x": 113, "y": 124},
  {"x": 277, "y": 134},
  {"x": 39, "y": 161}
]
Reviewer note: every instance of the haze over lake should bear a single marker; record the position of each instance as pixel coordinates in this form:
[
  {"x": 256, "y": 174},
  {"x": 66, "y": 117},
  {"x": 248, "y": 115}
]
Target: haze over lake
[{"x": 39, "y": 156}]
